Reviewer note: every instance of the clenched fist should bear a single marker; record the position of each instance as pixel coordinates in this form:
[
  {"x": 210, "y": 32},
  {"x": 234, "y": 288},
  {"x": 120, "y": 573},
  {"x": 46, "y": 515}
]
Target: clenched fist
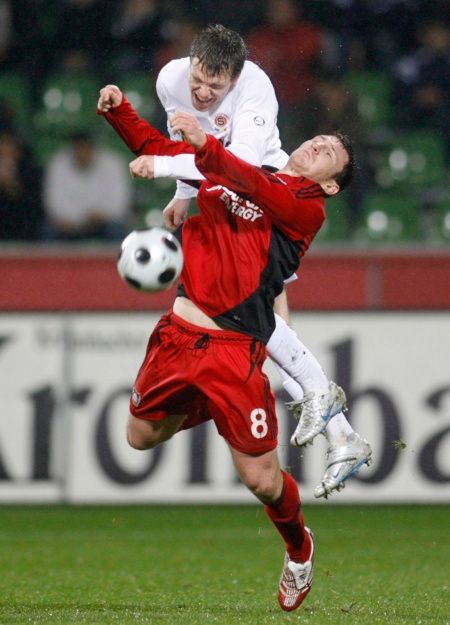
[
  {"x": 189, "y": 127},
  {"x": 110, "y": 97},
  {"x": 142, "y": 167}
]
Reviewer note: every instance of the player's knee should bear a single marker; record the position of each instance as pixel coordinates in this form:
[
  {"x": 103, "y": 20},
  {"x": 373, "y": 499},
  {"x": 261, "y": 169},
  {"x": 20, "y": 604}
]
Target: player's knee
[
  {"x": 262, "y": 486},
  {"x": 141, "y": 435},
  {"x": 138, "y": 441}
]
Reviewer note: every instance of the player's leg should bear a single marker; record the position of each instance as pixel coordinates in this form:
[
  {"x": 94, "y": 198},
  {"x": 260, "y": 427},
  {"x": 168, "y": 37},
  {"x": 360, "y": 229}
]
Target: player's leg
[
  {"x": 145, "y": 434},
  {"x": 317, "y": 399},
  {"x": 243, "y": 408},
  {"x": 347, "y": 453},
  {"x": 244, "y": 413},
  {"x": 347, "y": 450},
  {"x": 278, "y": 491}
]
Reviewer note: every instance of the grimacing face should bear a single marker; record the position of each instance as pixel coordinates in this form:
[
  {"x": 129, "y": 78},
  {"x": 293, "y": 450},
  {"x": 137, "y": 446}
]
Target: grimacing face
[
  {"x": 320, "y": 158},
  {"x": 206, "y": 90}
]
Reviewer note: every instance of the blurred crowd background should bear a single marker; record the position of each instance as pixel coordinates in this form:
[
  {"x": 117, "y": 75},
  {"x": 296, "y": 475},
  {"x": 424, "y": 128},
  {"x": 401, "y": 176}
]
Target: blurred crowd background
[{"x": 377, "y": 69}]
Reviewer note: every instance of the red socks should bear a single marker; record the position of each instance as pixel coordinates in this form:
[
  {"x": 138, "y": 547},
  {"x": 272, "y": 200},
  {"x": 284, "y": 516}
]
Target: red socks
[{"x": 286, "y": 515}]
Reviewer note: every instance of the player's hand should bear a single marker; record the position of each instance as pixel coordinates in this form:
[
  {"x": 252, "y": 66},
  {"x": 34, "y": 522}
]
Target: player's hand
[
  {"x": 189, "y": 127},
  {"x": 143, "y": 167},
  {"x": 110, "y": 97},
  {"x": 175, "y": 212}
]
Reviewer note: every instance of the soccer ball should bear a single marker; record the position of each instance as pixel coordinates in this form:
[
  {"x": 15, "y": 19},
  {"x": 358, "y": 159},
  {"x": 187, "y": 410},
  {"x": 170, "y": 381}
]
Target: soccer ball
[{"x": 150, "y": 260}]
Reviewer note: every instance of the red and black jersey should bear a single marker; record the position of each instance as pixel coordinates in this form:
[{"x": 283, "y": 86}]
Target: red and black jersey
[{"x": 252, "y": 230}]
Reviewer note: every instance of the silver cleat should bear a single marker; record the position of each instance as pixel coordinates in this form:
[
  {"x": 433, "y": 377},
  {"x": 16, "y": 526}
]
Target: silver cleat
[
  {"x": 314, "y": 412},
  {"x": 343, "y": 461}
]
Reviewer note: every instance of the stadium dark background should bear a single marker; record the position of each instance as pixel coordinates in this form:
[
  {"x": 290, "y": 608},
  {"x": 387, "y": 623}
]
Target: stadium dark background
[{"x": 379, "y": 70}]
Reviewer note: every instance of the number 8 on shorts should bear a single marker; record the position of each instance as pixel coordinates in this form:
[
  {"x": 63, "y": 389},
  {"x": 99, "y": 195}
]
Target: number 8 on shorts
[{"x": 259, "y": 427}]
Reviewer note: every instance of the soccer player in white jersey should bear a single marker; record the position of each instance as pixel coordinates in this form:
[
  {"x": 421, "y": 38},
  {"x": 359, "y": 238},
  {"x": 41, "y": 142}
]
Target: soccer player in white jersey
[{"x": 234, "y": 100}]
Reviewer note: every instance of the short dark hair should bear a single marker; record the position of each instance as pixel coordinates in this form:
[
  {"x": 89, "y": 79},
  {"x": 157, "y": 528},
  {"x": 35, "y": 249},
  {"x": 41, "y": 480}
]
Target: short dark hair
[
  {"x": 345, "y": 176},
  {"x": 219, "y": 50}
]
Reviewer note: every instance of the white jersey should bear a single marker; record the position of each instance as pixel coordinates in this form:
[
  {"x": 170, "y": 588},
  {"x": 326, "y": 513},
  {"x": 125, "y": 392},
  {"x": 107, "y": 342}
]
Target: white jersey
[{"x": 245, "y": 120}]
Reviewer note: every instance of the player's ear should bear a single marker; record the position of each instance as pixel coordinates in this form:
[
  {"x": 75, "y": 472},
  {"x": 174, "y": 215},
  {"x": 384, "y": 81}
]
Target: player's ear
[{"x": 330, "y": 187}]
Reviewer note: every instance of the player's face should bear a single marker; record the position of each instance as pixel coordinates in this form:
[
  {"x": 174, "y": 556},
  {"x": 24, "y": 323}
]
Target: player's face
[
  {"x": 207, "y": 90},
  {"x": 320, "y": 158}
]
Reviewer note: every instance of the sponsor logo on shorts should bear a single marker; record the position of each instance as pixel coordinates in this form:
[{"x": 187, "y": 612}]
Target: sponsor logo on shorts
[
  {"x": 259, "y": 121},
  {"x": 135, "y": 398}
]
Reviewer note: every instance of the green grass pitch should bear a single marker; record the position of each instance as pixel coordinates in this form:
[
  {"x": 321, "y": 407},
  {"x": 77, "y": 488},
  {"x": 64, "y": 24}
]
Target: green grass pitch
[{"x": 375, "y": 565}]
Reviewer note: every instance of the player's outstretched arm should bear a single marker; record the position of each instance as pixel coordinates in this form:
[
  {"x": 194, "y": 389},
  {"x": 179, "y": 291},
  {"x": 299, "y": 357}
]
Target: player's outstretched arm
[
  {"x": 140, "y": 136},
  {"x": 190, "y": 130}
]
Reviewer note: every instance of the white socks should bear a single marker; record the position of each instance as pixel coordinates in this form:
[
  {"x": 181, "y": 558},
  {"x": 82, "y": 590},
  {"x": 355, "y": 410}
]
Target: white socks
[
  {"x": 292, "y": 387},
  {"x": 301, "y": 372},
  {"x": 337, "y": 430},
  {"x": 287, "y": 351}
]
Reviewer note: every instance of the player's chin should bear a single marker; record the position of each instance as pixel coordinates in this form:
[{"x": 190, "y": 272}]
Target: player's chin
[{"x": 202, "y": 106}]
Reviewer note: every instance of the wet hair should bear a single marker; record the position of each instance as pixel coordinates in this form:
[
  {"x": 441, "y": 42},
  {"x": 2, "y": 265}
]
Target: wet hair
[
  {"x": 219, "y": 50},
  {"x": 345, "y": 176}
]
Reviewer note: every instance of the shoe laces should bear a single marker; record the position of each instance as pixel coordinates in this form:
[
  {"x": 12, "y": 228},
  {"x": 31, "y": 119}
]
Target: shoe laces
[
  {"x": 310, "y": 410},
  {"x": 300, "y": 573}
]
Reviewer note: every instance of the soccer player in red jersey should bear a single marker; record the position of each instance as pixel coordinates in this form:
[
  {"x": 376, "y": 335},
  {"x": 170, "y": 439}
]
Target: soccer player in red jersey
[
  {"x": 235, "y": 101},
  {"x": 204, "y": 358}
]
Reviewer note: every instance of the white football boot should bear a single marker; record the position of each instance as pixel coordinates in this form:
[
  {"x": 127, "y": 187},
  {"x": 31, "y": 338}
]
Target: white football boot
[
  {"x": 296, "y": 579},
  {"x": 343, "y": 461},
  {"x": 314, "y": 411}
]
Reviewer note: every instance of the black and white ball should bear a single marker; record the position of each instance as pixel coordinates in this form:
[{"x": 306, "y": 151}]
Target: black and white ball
[{"x": 150, "y": 260}]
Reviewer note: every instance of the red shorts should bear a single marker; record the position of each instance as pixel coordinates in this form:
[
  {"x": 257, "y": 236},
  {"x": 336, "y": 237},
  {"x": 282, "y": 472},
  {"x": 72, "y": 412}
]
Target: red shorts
[{"x": 207, "y": 374}]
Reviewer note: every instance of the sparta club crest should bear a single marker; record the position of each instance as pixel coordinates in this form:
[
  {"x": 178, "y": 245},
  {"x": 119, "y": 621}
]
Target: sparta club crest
[{"x": 221, "y": 121}]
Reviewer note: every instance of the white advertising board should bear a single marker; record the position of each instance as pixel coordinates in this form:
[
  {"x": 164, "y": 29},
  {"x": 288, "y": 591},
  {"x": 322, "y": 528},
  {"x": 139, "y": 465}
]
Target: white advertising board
[{"x": 65, "y": 382}]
